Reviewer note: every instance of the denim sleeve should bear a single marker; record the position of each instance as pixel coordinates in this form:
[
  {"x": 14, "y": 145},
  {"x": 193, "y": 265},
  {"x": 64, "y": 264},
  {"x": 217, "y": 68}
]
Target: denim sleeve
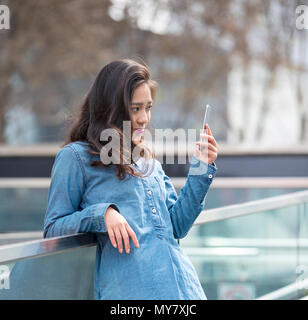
[
  {"x": 68, "y": 181},
  {"x": 185, "y": 207}
]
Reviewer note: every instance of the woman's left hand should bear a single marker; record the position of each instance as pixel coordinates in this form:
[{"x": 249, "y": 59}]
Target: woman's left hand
[{"x": 209, "y": 147}]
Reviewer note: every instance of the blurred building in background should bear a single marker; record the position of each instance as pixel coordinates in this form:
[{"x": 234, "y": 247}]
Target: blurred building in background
[{"x": 245, "y": 58}]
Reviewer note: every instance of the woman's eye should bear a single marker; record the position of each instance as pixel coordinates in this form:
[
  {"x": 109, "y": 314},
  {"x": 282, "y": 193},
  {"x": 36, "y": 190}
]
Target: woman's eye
[{"x": 137, "y": 108}]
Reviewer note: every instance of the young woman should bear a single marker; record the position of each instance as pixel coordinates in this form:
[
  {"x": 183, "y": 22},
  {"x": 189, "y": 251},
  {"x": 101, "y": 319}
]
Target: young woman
[{"x": 124, "y": 201}]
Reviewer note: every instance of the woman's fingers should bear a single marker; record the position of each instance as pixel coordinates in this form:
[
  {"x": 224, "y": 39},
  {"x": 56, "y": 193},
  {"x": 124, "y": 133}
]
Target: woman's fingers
[
  {"x": 209, "y": 129},
  {"x": 119, "y": 239},
  {"x": 207, "y": 145},
  {"x": 207, "y": 154},
  {"x": 125, "y": 238},
  {"x": 204, "y": 137},
  {"x": 123, "y": 232},
  {"x": 112, "y": 237},
  {"x": 132, "y": 234},
  {"x": 209, "y": 136}
]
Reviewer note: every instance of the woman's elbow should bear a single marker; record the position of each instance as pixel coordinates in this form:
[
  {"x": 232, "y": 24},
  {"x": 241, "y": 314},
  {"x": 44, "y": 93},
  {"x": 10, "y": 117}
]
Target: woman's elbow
[{"x": 48, "y": 233}]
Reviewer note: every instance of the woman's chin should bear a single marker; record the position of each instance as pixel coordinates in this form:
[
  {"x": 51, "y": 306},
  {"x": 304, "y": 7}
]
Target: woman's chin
[
  {"x": 137, "y": 140},
  {"x": 137, "y": 137}
]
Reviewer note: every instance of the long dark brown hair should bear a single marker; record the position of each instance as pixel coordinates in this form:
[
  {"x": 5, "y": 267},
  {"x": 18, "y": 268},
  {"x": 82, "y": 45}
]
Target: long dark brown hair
[{"x": 106, "y": 106}]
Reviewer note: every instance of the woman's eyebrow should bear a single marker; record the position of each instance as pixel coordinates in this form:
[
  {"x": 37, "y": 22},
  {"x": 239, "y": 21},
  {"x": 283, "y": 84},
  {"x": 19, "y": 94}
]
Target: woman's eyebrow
[{"x": 139, "y": 103}]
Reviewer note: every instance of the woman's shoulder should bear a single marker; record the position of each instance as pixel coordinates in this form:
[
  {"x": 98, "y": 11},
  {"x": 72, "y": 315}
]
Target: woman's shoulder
[
  {"x": 77, "y": 145},
  {"x": 81, "y": 147},
  {"x": 76, "y": 150}
]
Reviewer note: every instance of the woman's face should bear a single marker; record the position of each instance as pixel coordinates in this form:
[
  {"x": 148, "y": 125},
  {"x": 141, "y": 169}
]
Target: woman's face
[{"x": 140, "y": 110}]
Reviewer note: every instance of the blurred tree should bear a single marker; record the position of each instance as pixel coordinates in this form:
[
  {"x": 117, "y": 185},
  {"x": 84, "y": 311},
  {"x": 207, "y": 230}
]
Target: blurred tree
[
  {"x": 48, "y": 43},
  {"x": 52, "y": 45}
]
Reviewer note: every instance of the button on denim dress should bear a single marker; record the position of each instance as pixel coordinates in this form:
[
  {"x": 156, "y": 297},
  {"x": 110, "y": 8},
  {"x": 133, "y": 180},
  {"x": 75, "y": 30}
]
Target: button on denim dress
[{"x": 159, "y": 269}]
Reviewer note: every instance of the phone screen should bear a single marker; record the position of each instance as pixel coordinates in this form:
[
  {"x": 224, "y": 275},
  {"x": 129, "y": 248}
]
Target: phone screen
[
  {"x": 206, "y": 118},
  {"x": 205, "y": 121}
]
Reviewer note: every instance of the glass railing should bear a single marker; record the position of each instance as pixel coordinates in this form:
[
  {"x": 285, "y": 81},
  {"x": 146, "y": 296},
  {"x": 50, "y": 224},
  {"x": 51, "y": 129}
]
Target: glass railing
[
  {"x": 243, "y": 251},
  {"x": 23, "y": 201},
  {"x": 56, "y": 268},
  {"x": 22, "y": 208},
  {"x": 249, "y": 250}
]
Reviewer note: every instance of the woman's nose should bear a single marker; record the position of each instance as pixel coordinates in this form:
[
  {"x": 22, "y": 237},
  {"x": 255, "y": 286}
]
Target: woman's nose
[{"x": 143, "y": 118}]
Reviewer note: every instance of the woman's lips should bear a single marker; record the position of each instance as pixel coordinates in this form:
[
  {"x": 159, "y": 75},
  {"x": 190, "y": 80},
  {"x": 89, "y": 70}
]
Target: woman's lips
[{"x": 139, "y": 130}]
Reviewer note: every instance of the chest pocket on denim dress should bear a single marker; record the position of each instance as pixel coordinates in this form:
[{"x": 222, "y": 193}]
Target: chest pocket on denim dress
[
  {"x": 158, "y": 195},
  {"x": 162, "y": 188}
]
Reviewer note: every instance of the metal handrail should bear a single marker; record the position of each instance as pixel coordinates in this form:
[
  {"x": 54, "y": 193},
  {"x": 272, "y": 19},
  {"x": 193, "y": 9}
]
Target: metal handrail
[
  {"x": 252, "y": 207},
  {"x": 286, "y": 292},
  {"x": 38, "y": 248},
  {"x": 178, "y": 182}
]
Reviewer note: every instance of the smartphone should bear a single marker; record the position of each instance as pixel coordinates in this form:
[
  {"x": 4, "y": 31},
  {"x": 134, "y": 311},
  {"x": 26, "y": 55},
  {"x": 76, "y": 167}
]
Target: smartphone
[{"x": 205, "y": 121}]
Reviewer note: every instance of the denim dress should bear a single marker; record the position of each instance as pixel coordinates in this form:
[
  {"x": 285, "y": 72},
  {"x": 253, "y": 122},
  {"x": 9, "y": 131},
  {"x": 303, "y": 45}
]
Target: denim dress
[{"x": 159, "y": 269}]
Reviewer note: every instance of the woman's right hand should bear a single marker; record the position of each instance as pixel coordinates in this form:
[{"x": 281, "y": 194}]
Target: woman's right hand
[{"x": 118, "y": 228}]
